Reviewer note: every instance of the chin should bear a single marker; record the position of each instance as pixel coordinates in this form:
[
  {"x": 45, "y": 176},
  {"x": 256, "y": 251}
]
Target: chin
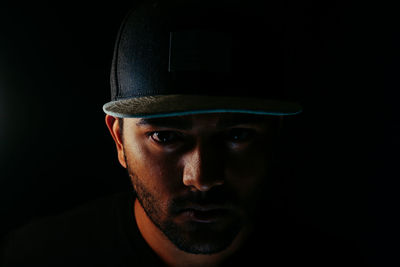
[{"x": 202, "y": 238}]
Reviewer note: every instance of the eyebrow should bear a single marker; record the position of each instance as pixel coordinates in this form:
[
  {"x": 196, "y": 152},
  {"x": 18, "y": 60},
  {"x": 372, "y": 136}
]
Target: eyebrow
[
  {"x": 167, "y": 122},
  {"x": 238, "y": 119},
  {"x": 185, "y": 123}
]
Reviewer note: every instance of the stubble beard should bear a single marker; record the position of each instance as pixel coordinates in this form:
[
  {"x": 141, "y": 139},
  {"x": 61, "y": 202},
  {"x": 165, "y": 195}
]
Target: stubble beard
[{"x": 157, "y": 212}]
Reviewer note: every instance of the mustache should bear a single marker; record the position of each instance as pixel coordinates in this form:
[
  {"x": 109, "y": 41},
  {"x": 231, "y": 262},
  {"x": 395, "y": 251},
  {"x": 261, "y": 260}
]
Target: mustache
[{"x": 221, "y": 198}]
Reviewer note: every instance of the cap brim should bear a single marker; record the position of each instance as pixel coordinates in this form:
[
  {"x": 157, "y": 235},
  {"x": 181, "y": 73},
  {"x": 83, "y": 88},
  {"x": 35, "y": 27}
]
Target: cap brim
[{"x": 176, "y": 105}]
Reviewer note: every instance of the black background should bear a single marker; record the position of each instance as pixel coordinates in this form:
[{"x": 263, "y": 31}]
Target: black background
[{"x": 55, "y": 150}]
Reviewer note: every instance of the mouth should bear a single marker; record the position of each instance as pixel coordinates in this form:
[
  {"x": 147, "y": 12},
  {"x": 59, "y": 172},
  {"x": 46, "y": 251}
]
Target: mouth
[{"x": 205, "y": 214}]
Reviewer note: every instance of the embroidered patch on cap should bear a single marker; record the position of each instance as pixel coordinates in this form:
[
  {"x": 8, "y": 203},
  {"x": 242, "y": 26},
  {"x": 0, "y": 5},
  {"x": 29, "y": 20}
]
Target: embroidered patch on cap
[{"x": 202, "y": 51}]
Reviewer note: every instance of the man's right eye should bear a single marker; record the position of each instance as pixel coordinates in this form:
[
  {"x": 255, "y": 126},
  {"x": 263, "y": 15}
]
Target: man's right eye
[{"x": 165, "y": 137}]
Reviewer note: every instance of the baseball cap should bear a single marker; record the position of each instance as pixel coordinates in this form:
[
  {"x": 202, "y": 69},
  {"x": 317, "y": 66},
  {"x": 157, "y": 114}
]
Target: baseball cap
[{"x": 191, "y": 57}]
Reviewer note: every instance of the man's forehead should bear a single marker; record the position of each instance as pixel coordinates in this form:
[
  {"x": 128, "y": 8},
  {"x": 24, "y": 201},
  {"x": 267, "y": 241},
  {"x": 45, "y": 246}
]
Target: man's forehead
[{"x": 218, "y": 120}]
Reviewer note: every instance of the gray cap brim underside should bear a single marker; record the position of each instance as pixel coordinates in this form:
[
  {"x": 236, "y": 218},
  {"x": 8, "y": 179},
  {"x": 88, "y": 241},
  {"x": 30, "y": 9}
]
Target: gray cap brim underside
[{"x": 178, "y": 105}]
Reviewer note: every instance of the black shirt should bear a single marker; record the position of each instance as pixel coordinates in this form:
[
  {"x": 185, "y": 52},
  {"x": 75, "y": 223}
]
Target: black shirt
[{"x": 103, "y": 232}]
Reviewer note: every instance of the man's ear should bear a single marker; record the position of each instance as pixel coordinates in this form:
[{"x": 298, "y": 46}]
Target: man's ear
[{"x": 115, "y": 131}]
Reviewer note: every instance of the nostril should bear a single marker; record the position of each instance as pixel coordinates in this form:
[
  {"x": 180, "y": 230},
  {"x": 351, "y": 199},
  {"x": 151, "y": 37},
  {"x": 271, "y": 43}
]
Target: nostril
[
  {"x": 204, "y": 188},
  {"x": 211, "y": 184},
  {"x": 202, "y": 184}
]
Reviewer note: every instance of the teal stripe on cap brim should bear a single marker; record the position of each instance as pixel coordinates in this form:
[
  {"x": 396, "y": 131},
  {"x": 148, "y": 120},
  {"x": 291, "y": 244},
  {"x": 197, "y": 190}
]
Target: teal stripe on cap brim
[{"x": 194, "y": 112}]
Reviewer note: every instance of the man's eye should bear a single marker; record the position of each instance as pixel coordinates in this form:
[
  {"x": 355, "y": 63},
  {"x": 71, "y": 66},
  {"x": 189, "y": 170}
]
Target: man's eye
[
  {"x": 239, "y": 135},
  {"x": 165, "y": 137}
]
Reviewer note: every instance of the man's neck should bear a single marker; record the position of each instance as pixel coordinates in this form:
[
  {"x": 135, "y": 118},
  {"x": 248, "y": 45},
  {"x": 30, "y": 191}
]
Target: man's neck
[{"x": 169, "y": 253}]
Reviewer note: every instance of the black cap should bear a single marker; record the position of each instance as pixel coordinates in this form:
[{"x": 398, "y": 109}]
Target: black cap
[{"x": 188, "y": 57}]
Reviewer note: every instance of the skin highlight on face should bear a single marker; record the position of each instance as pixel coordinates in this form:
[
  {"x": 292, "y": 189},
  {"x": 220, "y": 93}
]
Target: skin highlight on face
[{"x": 198, "y": 178}]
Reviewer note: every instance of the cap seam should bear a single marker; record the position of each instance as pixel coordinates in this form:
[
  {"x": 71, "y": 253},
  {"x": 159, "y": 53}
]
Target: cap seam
[{"x": 116, "y": 53}]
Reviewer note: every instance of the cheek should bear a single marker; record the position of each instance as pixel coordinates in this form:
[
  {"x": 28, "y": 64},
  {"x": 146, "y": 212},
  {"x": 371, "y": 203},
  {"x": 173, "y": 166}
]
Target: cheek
[
  {"x": 156, "y": 172},
  {"x": 247, "y": 171}
]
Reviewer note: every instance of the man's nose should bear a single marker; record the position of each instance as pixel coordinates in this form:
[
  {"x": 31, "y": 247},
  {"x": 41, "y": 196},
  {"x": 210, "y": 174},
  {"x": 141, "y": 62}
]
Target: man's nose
[{"x": 202, "y": 170}]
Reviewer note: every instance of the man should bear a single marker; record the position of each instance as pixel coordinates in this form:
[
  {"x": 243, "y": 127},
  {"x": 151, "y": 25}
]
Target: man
[
  {"x": 196, "y": 179},
  {"x": 196, "y": 111},
  {"x": 196, "y": 159}
]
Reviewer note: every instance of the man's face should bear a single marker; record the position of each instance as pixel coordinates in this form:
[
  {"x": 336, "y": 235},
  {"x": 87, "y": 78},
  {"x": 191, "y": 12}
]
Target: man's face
[{"x": 198, "y": 177}]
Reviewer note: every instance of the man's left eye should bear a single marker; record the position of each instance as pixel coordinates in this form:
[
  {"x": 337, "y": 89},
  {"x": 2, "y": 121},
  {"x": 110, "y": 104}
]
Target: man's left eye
[
  {"x": 238, "y": 135},
  {"x": 165, "y": 137}
]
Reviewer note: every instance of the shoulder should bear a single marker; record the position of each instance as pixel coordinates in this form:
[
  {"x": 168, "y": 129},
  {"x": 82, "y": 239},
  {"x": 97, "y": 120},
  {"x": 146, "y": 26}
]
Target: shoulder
[
  {"x": 88, "y": 232},
  {"x": 319, "y": 247},
  {"x": 289, "y": 244}
]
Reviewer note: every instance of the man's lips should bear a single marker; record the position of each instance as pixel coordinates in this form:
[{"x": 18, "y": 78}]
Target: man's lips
[{"x": 205, "y": 214}]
